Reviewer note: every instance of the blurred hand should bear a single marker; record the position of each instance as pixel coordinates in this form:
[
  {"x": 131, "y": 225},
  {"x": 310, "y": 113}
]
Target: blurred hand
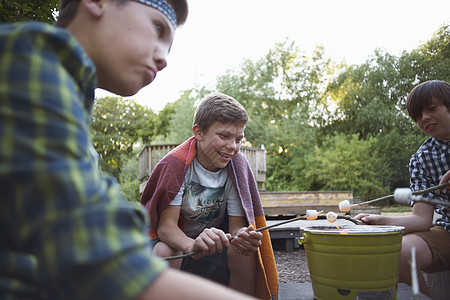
[{"x": 369, "y": 218}]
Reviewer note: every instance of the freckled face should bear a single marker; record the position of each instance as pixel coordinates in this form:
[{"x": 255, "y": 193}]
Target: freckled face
[
  {"x": 138, "y": 38},
  {"x": 218, "y": 145},
  {"x": 435, "y": 120}
]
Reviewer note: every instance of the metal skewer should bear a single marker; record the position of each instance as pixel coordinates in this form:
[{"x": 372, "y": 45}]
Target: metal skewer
[
  {"x": 234, "y": 236},
  {"x": 357, "y": 222},
  {"x": 420, "y": 192},
  {"x": 374, "y": 200},
  {"x": 430, "y": 189}
]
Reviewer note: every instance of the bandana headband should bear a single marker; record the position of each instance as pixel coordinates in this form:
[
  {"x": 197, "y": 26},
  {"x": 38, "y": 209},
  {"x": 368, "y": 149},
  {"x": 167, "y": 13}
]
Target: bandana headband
[{"x": 163, "y": 7}]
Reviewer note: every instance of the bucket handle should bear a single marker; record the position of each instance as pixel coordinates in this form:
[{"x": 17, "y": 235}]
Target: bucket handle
[{"x": 302, "y": 239}]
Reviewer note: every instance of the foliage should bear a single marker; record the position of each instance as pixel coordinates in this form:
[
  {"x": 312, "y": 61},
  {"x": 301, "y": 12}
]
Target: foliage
[
  {"x": 181, "y": 120},
  {"x": 371, "y": 97},
  {"x": 370, "y": 100},
  {"x": 118, "y": 125},
  {"x": 282, "y": 95},
  {"x": 325, "y": 126},
  {"x": 432, "y": 59},
  {"x": 396, "y": 208},
  {"x": 162, "y": 122},
  {"x": 179, "y": 117},
  {"x": 36, "y": 10},
  {"x": 129, "y": 177},
  {"x": 346, "y": 162}
]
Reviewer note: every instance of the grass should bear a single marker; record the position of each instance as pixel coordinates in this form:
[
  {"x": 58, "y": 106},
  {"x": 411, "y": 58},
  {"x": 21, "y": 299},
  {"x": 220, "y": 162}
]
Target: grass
[{"x": 396, "y": 208}]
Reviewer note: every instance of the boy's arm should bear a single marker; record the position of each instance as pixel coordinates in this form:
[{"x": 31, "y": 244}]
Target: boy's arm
[
  {"x": 170, "y": 233},
  {"x": 420, "y": 220},
  {"x": 173, "y": 285},
  {"x": 422, "y": 214},
  {"x": 210, "y": 241}
]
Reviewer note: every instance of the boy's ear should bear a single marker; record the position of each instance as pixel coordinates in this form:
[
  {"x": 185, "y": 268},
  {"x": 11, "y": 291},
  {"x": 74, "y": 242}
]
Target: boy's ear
[
  {"x": 198, "y": 133},
  {"x": 94, "y": 7}
]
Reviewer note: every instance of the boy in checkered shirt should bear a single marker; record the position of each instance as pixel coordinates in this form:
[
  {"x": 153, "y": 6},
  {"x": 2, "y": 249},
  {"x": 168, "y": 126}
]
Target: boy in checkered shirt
[
  {"x": 66, "y": 231},
  {"x": 428, "y": 105}
]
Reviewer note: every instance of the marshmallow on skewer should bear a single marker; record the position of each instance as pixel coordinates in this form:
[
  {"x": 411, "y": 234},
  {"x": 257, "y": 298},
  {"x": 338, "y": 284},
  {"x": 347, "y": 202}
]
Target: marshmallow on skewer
[
  {"x": 311, "y": 214},
  {"x": 331, "y": 216},
  {"x": 344, "y": 206},
  {"x": 403, "y": 196}
]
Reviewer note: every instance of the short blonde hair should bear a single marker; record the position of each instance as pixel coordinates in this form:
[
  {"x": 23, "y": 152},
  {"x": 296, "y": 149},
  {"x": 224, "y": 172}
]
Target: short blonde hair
[{"x": 222, "y": 108}]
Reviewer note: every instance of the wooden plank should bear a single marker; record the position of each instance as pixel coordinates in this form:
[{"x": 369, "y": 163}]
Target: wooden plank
[
  {"x": 297, "y": 210},
  {"x": 157, "y": 152},
  {"x": 143, "y": 163},
  {"x": 366, "y": 210},
  {"x": 296, "y": 203},
  {"x": 142, "y": 186}
]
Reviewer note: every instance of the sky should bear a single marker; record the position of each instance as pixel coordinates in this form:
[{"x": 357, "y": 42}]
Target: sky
[{"x": 220, "y": 34}]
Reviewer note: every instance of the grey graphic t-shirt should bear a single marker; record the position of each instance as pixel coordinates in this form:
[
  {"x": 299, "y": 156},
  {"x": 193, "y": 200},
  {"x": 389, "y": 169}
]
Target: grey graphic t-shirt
[{"x": 205, "y": 198}]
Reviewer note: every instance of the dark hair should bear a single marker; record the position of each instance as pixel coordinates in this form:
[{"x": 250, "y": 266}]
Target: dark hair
[
  {"x": 219, "y": 107},
  {"x": 68, "y": 10},
  {"x": 421, "y": 96}
]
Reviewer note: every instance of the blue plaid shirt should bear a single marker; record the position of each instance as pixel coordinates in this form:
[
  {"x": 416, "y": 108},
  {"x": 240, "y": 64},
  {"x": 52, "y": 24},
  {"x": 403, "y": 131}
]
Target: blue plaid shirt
[
  {"x": 66, "y": 233},
  {"x": 427, "y": 166}
]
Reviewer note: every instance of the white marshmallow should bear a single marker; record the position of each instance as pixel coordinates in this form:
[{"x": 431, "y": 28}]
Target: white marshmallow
[
  {"x": 311, "y": 214},
  {"x": 403, "y": 196},
  {"x": 344, "y": 205},
  {"x": 331, "y": 216}
]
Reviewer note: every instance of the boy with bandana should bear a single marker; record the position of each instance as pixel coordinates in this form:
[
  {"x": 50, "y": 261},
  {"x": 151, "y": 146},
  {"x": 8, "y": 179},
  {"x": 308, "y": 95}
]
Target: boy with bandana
[{"x": 66, "y": 231}]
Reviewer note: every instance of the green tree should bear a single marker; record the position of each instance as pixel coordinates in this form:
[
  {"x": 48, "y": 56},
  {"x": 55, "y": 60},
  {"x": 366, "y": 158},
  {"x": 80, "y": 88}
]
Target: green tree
[
  {"x": 129, "y": 177},
  {"x": 162, "y": 123},
  {"x": 282, "y": 93},
  {"x": 431, "y": 60},
  {"x": 118, "y": 125},
  {"x": 301, "y": 107},
  {"x": 369, "y": 97},
  {"x": 36, "y": 10},
  {"x": 177, "y": 117},
  {"x": 370, "y": 100},
  {"x": 346, "y": 162},
  {"x": 181, "y": 120}
]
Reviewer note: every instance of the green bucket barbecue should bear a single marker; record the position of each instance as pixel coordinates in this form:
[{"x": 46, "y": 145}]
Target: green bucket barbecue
[{"x": 357, "y": 262}]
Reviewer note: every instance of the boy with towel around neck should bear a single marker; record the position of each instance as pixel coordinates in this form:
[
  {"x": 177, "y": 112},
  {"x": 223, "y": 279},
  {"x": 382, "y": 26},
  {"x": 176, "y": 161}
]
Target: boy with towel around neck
[
  {"x": 66, "y": 231},
  {"x": 202, "y": 193},
  {"x": 428, "y": 104}
]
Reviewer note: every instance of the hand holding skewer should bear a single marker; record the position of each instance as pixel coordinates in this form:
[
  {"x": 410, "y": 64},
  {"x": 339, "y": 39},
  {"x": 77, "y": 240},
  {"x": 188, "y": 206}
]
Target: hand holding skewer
[{"x": 239, "y": 233}]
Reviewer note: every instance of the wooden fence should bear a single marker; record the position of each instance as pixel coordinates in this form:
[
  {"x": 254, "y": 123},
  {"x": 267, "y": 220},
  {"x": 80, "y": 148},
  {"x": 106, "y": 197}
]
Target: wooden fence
[{"x": 274, "y": 203}]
